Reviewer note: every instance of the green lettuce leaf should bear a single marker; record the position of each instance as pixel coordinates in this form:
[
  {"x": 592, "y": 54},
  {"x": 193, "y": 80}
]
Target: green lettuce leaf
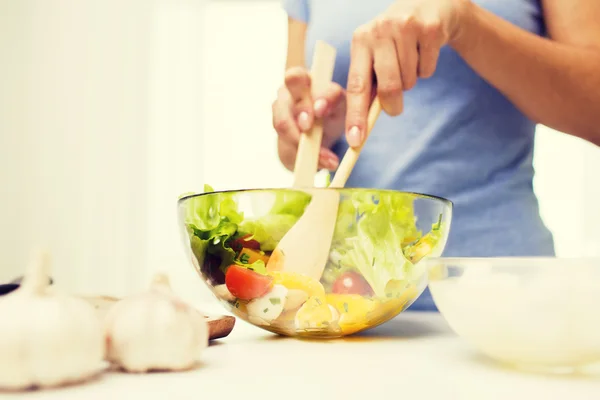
[
  {"x": 211, "y": 221},
  {"x": 371, "y": 228},
  {"x": 290, "y": 203},
  {"x": 269, "y": 229},
  {"x": 206, "y": 212}
]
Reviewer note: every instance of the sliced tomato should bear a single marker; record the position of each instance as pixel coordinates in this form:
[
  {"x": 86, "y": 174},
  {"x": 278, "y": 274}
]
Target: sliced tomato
[
  {"x": 245, "y": 284},
  {"x": 245, "y": 242},
  {"x": 352, "y": 283}
]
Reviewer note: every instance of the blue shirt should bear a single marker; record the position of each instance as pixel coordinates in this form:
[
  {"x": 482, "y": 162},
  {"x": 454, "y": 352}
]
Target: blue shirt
[{"x": 458, "y": 137}]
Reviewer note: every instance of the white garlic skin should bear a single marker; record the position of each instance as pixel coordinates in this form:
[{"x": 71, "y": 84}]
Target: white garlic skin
[
  {"x": 47, "y": 339},
  {"x": 155, "y": 331}
]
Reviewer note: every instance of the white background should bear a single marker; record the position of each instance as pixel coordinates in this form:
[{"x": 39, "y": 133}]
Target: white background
[{"x": 109, "y": 110}]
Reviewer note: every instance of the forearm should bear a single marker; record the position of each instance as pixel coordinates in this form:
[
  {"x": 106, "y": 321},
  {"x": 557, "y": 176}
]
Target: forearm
[{"x": 552, "y": 83}]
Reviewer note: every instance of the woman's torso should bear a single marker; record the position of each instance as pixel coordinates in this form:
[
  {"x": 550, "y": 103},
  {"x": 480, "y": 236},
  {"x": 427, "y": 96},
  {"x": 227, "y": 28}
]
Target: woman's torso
[{"x": 458, "y": 138}]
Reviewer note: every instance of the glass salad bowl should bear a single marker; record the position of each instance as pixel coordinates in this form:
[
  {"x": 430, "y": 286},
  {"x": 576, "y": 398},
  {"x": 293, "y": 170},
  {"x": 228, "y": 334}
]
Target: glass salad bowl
[
  {"x": 372, "y": 272},
  {"x": 535, "y": 314}
]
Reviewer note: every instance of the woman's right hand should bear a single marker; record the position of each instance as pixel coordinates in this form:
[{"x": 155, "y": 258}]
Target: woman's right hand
[{"x": 294, "y": 111}]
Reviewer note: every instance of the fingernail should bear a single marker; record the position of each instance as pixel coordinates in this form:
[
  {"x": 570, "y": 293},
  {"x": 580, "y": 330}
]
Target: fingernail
[
  {"x": 320, "y": 106},
  {"x": 354, "y": 138},
  {"x": 303, "y": 121}
]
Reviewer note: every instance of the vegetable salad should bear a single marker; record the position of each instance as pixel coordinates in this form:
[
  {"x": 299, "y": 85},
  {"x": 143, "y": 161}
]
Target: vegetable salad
[{"x": 372, "y": 271}]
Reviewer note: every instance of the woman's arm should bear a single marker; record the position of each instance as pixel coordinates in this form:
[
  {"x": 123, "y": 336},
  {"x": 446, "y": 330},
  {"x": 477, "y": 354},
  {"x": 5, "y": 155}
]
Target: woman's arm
[{"x": 555, "y": 81}]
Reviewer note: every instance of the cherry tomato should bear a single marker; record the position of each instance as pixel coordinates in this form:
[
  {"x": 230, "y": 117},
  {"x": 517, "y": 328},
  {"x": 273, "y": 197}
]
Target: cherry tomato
[
  {"x": 352, "y": 283},
  {"x": 246, "y": 284},
  {"x": 243, "y": 242}
]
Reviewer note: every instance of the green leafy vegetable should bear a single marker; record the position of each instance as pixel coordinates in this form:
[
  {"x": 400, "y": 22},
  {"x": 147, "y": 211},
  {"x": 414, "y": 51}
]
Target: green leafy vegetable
[
  {"x": 268, "y": 230},
  {"x": 214, "y": 220},
  {"x": 290, "y": 203},
  {"x": 206, "y": 212},
  {"x": 211, "y": 221},
  {"x": 375, "y": 234},
  {"x": 370, "y": 230}
]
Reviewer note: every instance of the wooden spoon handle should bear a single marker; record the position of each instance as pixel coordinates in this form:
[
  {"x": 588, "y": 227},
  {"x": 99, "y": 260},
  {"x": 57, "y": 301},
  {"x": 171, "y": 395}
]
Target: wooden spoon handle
[
  {"x": 345, "y": 169},
  {"x": 309, "y": 146}
]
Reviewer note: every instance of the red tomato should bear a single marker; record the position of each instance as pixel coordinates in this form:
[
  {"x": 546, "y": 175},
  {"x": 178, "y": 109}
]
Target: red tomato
[
  {"x": 245, "y": 284},
  {"x": 352, "y": 283},
  {"x": 239, "y": 243}
]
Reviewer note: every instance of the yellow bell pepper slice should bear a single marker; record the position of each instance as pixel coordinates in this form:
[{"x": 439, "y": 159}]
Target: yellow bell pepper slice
[{"x": 292, "y": 280}]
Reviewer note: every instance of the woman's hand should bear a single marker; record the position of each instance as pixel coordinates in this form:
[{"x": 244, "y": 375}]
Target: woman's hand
[
  {"x": 398, "y": 47},
  {"x": 294, "y": 111}
]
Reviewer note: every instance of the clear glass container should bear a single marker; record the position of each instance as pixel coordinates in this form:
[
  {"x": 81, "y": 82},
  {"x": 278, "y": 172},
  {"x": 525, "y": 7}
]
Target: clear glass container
[{"x": 372, "y": 273}]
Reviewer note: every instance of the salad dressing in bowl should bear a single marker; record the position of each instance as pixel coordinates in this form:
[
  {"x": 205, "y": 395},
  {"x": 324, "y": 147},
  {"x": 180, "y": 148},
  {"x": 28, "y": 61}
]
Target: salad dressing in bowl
[
  {"x": 372, "y": 273},
  {"x": 536, "y": 314}
]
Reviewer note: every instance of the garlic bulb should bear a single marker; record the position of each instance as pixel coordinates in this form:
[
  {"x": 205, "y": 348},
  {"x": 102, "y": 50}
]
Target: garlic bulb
[
  {"x": 47, "y": 338},
  {"x": 155, "y": 330}
]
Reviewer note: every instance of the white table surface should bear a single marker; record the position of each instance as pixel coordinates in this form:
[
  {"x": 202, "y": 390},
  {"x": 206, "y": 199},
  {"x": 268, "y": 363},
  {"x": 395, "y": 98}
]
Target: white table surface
[{"x": 414, "y": 356}]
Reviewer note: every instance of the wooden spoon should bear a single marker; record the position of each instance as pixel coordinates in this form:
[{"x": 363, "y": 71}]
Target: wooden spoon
[
  {"x": 305, "y": 169},
  {"x": 351, "y": 157},
  {"x": 309, "y": 145},
  {"x": 305, "y": 247}
]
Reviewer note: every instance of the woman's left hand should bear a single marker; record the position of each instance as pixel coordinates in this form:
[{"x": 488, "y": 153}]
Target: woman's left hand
[{"x": 398, "y": 47}]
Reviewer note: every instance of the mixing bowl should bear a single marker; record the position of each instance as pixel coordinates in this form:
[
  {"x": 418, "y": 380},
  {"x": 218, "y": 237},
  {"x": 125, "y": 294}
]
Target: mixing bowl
[
  {"x": 537, "y": 314},
  {"x": 372, "y": 273}
]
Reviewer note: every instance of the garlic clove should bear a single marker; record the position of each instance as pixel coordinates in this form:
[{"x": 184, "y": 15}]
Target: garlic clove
[
  {"x": 47, "y": 338},
  {"x": 155, "y": 330},
  {"x": 77, "y": 347}
]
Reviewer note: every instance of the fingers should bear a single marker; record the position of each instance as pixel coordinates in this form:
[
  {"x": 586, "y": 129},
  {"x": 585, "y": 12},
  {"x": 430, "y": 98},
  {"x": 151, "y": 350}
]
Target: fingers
[
  {"x": 398, "y": 48},
  {"x": 328, "y": 160},
  {"x": 358, "y": 89},
  {"x": 431, "y": 40},
  {"x": 283, "y": 118},
  {"x": 287, "y": 154},
  {"x": 297, "y": 81},
  {"x": 328, "y": 102},
  {"x": 294, "y": 112},
  {"x": 405, "y": 38},
  {"x": 387, "y": 68}
]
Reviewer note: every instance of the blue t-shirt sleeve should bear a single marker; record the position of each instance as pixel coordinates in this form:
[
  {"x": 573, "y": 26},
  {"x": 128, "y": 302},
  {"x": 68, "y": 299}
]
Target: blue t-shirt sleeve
[{"x": 297, "y": 9}]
